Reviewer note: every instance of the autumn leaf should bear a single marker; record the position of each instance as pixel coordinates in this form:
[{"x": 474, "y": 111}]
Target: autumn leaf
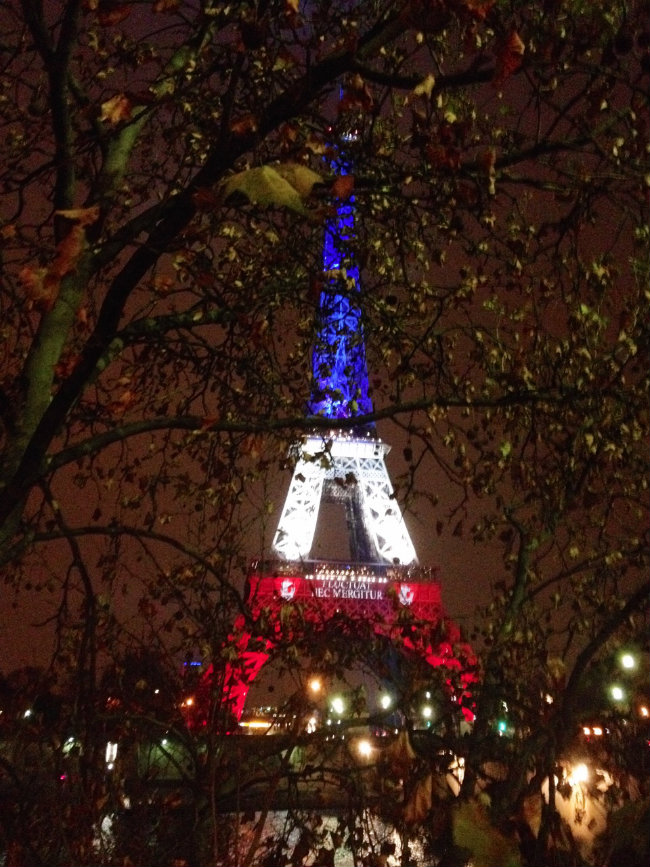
[
  {"x": 42, "y": 284},
  {"x": 300, "y": 177},
  {"x": 67, "y": 364},
  {"x": 32, "y": 281},
  {"x": 123, "y": 402},
  {"x": 509, "y": 58},
  {"x": 285, "y": 186},
  {"x": 479, "y": 8},
  {"x": 165, "y": 5},
  {"x": 343, "y": 187},
  {"x": 425, "y": 87},
  {"x": 116, "y": 109},
  {"x": 110, "y": 12},
  {"x": 206, "y": 199},
  {"x": 83, "y": 216},
  {"x": 244, "y": 125}
]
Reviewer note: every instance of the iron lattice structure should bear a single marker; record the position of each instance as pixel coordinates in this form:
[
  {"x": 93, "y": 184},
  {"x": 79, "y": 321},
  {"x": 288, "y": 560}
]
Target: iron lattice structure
[
  {"x": 382, "y": 581},
  {"x": 347, "y": 467},
  {"x": 350, "y": 469}
]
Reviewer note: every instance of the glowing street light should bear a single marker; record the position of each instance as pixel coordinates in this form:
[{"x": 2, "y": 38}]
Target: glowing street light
[
  {"x": 110, "y": 755},
  {"x": 617, "y": 693},
  {"x": 385, "y": 701},
  {"x": 338, "y": 705},
  {"x": 579, "y": 774},
  {"x": 364, "y": 748},
  {"x": 315, "y": 685},
  {"x": 628, "y": 661}
]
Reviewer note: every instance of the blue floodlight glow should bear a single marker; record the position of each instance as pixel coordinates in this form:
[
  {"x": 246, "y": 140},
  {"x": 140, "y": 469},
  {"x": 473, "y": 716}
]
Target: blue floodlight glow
[{"x": 340, "y": 372}]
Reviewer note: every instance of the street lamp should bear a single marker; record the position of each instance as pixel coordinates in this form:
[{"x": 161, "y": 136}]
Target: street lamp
[
  {"x": 628, "y": 661},
  {"x": 364, "y": 748},
  {"x": 579, "y": 774}
]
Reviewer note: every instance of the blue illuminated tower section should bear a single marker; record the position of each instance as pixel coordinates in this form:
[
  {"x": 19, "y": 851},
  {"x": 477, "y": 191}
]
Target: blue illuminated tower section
[
  {"x": 340, "y": 373},
  {"x": 342, "y": 464}
]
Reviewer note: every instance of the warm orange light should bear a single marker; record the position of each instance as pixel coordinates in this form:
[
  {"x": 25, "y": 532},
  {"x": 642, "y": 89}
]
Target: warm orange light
[
  {"x": 579, "y": 774},
  {"x": 365, "y": 749}
]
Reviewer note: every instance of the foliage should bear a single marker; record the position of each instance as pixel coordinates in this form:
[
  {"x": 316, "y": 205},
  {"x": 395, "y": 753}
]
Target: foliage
[{"x": 165, "y": 184}]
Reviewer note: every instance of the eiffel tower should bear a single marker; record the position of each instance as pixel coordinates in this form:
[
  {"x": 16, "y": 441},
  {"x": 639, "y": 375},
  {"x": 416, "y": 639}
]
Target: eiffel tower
[{"x": 345, "y": 465}]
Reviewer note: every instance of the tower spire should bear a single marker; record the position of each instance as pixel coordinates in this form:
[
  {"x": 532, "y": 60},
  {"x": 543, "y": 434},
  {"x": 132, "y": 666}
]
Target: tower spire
[
  {"x": 343, "y": 466},
  {"x": 340, "y": 372}
]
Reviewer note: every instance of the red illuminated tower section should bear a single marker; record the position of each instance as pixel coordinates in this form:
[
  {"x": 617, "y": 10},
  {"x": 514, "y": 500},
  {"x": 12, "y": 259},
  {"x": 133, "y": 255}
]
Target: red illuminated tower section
[{"x": 344, "y": 465}]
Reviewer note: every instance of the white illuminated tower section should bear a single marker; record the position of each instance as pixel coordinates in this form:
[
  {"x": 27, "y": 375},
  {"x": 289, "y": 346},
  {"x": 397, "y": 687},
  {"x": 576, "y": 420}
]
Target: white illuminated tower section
[{"x": 348, "y": 465}]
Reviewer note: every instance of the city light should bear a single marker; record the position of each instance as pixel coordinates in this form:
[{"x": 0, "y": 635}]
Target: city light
[
  {"x": 579, "y": 774},
  {"x": 364, "y": 748},
  {"x": 617, "y": 693},
  {"x": 628, "y": 661},
  {"x": 338, "y": 705},
  {"x": 315, "y": 685},
  {"x": 111, "y": 754},
  {"x": 385, "y": 701},
  {"x": 255, "y": 724},
  {"x": 427, "y": 711}
]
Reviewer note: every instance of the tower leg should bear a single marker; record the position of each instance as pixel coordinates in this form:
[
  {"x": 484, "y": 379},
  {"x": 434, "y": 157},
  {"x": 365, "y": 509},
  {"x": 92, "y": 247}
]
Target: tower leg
[
  {"x": 352, "y": 469},
  {"x": 295, "y": 533}
]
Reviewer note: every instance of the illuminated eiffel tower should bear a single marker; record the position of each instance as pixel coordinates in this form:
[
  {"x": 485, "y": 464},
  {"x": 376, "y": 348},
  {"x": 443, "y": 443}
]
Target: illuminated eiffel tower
[
  {"x": 345, "y": 465},
  {"x": 342, "y": 466}
]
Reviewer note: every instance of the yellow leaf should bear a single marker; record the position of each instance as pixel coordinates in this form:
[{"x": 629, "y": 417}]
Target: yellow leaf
[
  {"x": 84, "y": 216},
  {"x": 300, "y": 177},
  {"x": 425, "y": 87},
  {"x": 283, "y": 186},
  {"x": 116, "y": 109}
]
